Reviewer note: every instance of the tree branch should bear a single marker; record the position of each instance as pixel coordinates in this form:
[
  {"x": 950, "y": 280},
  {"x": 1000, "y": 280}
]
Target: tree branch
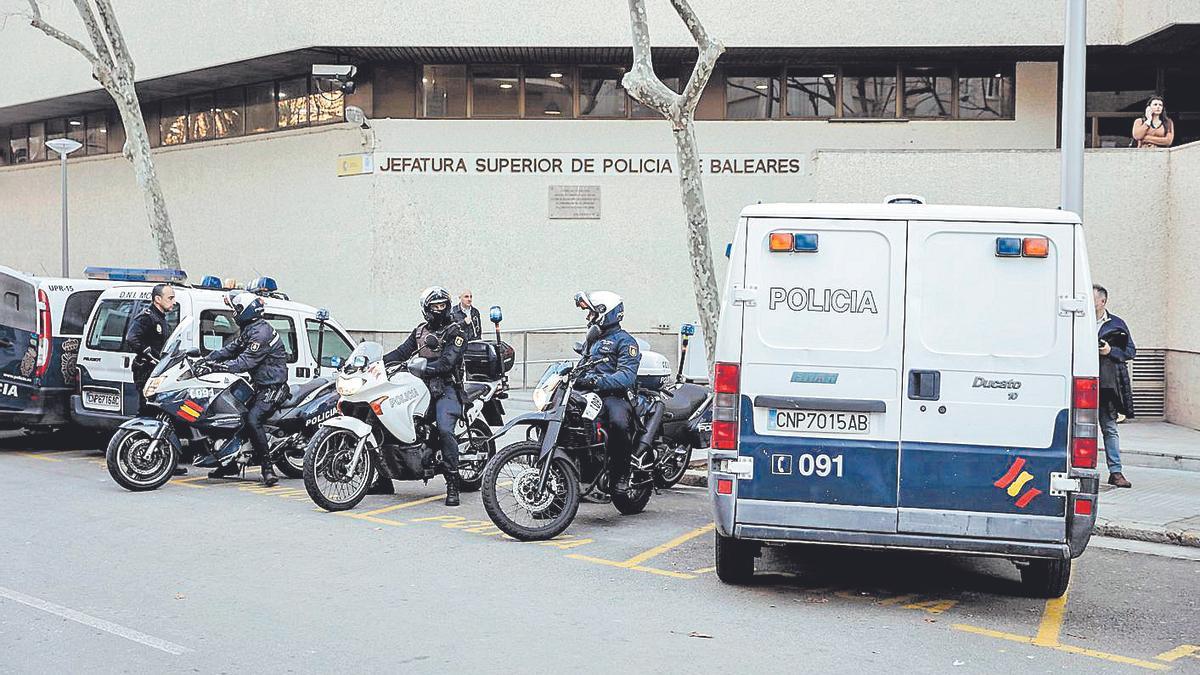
[
  {"x": 93, "y": 29},
  {"x": 37, "y": 22},
  {"x": 709, "y": 51},
  {"x": 121, "y": 53},
  {"x": 642, "y": 83}
]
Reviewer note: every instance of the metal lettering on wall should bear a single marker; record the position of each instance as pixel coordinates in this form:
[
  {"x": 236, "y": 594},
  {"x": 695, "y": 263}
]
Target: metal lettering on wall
[
  {"x": 592, "y": 164},
  {"x": 574, "y": 202}
]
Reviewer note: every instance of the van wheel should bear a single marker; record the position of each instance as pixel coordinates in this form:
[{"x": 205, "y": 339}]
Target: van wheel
[
  {"x": 1043, "y": 578},
  {"x": 735, "y": 560}
]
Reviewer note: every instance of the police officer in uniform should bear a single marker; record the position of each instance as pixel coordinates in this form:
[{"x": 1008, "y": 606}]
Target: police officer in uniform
[
  {"x": 260, "y": 351},
  {"x": 145, "y": 337},
  {"x": 440, "y": 342},
  {"x": 614, "y": 378}
]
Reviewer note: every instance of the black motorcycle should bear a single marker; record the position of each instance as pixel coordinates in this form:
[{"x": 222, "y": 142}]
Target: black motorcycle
[{"x": 207, "y": 413}]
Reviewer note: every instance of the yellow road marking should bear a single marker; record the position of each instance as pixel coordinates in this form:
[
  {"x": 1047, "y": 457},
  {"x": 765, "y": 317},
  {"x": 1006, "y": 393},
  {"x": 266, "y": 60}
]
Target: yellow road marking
[
  {"x": 373, "y": 519},
  {"x": 405, "y": 505},
  {"x": 626, "y": 566},
  {"x": 1052, "y": 621},
  {"x": 187, "y": 482},
  {"x": 663, "y": 548},
  {"x": 39, "y": 455},
  {"x": 1115, "y": 658},
  {"x": 704, "y": 570},
  {"x": 1180, "y": 652}
]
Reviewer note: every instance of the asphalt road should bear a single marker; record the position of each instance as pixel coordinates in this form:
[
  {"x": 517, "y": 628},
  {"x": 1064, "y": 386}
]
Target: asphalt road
[{"x": 223, "y": 576}]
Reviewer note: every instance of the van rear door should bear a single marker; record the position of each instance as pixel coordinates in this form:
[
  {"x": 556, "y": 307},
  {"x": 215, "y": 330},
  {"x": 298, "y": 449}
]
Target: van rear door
[
  {"x": 820, "y": 375},
  {"x": 18, "y": 342},
  {"x": 987, "y": 380}
]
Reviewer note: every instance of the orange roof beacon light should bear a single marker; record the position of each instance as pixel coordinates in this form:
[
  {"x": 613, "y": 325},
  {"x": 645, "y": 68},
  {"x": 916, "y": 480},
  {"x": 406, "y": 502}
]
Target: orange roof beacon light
[
  {"x": 781, "y": 241},
  {"x": 1035, "y": 247}
]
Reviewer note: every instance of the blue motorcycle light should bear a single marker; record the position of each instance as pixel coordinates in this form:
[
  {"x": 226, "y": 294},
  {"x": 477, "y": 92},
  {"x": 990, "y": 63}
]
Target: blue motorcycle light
[
  {"x": 687, "y": 329},
  {"x": 495, "y": 315}
]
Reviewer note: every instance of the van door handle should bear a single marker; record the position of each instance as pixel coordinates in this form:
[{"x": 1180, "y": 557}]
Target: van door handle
[
  {"x": 924, "y": 385},
  {"x": 126, "y": 361}
]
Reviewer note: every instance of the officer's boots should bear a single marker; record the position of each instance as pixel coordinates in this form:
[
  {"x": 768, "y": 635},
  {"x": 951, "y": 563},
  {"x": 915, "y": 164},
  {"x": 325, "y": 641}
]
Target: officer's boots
[
  {"x": 451, "y": 488},
  {"x": 269, "y": 478}
]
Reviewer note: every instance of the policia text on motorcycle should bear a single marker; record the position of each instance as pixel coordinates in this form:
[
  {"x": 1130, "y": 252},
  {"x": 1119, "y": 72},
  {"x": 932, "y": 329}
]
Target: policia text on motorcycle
[
  {"x": 440, "y": 341},
  {"x": 259, "y": 351}
]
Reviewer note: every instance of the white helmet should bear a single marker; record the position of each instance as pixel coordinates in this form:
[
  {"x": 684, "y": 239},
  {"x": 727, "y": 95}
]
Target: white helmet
[{"x": 604, "y": 308}]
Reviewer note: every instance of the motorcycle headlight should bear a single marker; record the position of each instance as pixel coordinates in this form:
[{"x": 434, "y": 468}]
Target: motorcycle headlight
[
  {"x": 152, "y": 386},
  {"x": 543, "y": 393},
  {"x": 349, "y": 386}
]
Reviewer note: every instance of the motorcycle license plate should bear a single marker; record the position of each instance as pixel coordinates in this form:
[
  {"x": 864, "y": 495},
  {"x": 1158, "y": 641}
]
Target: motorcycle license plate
[
  {"x": 820, "y": 421},
  {"x": 592, "y": 409},
  {"x": 101, "y": 400}
]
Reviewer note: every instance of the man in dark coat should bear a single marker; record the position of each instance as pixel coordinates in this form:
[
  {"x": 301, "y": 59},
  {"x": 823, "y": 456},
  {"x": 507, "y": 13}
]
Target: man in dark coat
[
  {"x": 466, "y": 314},
  {"x": 1116, "y": 389}
]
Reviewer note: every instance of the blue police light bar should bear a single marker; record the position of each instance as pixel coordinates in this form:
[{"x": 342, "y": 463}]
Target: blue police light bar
[
  {"x": 164, "y": 276},
  {"x": 322, "y": 314},
  {"x": 211, "y": 282},
  {"x": 262, "y": 285},
  {"x": 1008, "y": 247},
  {"x": 687, "y": 329},
  {"x": 805, "y": 242}
]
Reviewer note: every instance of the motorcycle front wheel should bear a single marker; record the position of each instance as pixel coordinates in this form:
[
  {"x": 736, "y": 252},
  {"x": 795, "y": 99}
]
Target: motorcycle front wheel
[
  {"x": 329, "y": 479},
  {"x": 515, "y": 504},
  {"x": 137, "y": 464}
]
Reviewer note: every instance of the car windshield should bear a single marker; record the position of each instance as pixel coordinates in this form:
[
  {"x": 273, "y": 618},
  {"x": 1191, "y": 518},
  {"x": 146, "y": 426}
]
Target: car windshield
[
  {"x": 363, "y": 355},
  {"x": 175, "y": 348}
]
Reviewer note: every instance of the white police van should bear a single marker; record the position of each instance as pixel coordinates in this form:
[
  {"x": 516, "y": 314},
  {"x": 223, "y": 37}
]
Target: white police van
[
  {"x": 907, "y": 376},
  {"x": 41, "y": 326},
  {"x": 106, "y": 395}
]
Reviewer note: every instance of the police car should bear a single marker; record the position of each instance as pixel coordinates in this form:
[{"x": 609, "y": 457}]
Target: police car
[
  {"x": 106, "y": 395},
  {"x": 41, "y": 325},
  {"x": 907, "y": 376}
]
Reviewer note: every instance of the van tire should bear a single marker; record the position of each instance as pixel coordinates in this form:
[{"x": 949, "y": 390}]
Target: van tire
[
  {"x": 1043, "y": 578},
  {"x": 735, "y": 560}
]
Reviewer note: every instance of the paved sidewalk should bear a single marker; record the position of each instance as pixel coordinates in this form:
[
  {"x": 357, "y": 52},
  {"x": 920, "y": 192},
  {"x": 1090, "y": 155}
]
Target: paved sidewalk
[{"x": 1159, "y": 445}]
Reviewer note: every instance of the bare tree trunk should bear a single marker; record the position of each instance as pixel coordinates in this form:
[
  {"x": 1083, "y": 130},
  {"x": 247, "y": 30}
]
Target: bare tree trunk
[
  {"x": 644, "y": 85},
  {"x": 113, "y": 68}
]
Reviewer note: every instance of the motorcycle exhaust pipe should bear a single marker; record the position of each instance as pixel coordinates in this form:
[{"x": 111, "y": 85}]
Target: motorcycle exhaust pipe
[{"x": 653, "y": 425}]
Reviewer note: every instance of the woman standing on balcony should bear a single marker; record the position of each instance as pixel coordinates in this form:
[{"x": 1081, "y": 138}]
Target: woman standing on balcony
[{"x": 1155, "y": 129}]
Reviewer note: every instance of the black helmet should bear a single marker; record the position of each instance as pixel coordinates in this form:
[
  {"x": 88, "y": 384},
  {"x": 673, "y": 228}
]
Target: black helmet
[
  {"x": 246, "y": 306},
  {"x": 435, "y": 305}
]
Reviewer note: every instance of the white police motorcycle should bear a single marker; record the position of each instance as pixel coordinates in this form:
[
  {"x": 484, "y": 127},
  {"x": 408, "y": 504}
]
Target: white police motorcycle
[{"x": 386, "y": 430}]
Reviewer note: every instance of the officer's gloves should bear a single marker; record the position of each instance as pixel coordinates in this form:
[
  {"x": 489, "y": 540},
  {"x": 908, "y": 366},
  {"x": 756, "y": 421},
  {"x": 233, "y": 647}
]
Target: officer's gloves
[
  {"x": 587, "y": 381},
  {"x": 205, "y": 367}
]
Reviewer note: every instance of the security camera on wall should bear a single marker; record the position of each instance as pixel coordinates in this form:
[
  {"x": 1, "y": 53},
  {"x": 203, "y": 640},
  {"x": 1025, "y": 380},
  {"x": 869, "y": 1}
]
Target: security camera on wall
[{"x": 335, "y": 77}]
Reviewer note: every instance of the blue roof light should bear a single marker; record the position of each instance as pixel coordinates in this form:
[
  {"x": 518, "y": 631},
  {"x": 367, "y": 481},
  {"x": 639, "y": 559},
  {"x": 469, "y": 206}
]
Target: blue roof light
[
  {"x": 262, "y": 286},
  {"x": 805, "y": 242},
  {"x": 1008, "y": 247},
  {"x": 211, "y": 282},
  {"x": 135, "y": 274}
]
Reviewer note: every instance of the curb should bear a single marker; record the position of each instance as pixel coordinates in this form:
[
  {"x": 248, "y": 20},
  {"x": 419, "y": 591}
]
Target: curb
[{"x": 1115, "y": 529}]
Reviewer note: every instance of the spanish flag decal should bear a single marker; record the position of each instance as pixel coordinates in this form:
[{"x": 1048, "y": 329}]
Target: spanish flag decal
[
  {"x": 1014, "y": 480},
  {"x": 190, "y": 411}
]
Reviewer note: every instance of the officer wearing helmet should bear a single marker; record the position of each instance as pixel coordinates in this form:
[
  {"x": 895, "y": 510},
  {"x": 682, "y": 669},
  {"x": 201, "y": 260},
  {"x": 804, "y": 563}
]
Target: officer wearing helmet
[
  {"x": 259, "y": 351},
  {"x": 614, "y": 378},
  {"x": 440, "y": 341}
]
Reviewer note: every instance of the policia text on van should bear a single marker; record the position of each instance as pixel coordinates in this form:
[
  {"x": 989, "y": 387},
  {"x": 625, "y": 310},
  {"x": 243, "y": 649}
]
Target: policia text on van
[{"x": 907, "y": 376}]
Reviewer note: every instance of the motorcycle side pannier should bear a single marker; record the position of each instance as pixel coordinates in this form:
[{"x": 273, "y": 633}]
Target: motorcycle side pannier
[{"x": 488, "y": 360}]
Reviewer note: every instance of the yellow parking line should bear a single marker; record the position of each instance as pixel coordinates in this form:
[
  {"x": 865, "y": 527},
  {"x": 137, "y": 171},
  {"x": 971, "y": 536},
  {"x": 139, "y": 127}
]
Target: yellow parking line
[
  {"x": 626, "y": 566},
  {"x": 1116, "y": 658},
  {"x": 186, "y": 482},
  {"x": 1180, "y": 652},
  {"x": 664, "y": 573},
  {"x": 663, "y": 548},
  {"x": 373, "y": 519},
  {"x": 704, "y": 570},
  {"x": 1052, "y": 621},
  {"x": 405, "y": 505},
  {"x": 39, "y": 455}
]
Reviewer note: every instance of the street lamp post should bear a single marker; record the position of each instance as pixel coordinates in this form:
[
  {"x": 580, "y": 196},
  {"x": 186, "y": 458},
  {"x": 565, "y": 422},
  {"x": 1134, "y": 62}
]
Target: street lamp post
[
  {"x": 64, "y": 147},
  {"x": 1074, "y": 105}
]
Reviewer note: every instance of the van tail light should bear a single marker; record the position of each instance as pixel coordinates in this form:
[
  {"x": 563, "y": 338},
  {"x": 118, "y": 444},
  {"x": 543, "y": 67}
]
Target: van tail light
[
  {"x": 45, "y": 338},
  {"x": 1085, "y": 421},
  {"x": 726, "y": 386}
]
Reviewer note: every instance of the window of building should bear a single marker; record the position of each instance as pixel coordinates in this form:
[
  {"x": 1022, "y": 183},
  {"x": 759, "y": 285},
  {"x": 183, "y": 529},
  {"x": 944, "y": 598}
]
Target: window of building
[
  {"x": 227, "y": 114},
  {"x": 200, "y": 117},
  {"x": 153, "y": 129},
  {"x": 55, "y": 128},
  {"x": 928, "y": 92},
  {"x": 37, "y": 142},
  {"x": 495, "y": 91},
  {"x": 1181, "y": 89},
  {"x": 116, "y": 132},
  {"x": 97, "y": 134},
  {"x": 549, "y": 92},
  {"x": 811, "y": 92},
  {"x": 18, "y": 144},
  {"x": 986, "y": 92},
  {"x": 76, "y": 130},
  {"x": 444, "y": 91},
  {"x": 293, "y": 103},
  {"x": 869, "y": 92},
  {"x": 673, "y": 82},
  {"x": 327, "y": 106},
  {"x": 260, "y": 108},
  {"x": 174, "y": 121},
  {"x": 600, "y": 92},
  {"x": 5, "y": 146},
  {"x": 752, "y": 95}
]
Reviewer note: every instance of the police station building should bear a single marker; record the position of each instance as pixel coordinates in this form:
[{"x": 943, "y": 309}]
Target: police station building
[{"x": 500, "y": 153}]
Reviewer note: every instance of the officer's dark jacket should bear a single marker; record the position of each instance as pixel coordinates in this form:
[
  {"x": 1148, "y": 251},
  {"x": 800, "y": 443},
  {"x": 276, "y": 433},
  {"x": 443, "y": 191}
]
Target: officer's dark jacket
[
  {"x": 257, "y": 350},
  {"x": 472, "y": 325},
  {"x": 146, "y": 334},
  {"x": 618, "y": 372},
  {"x": 1116, "y": 386},
  {"x": 445, "y": 361}
]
